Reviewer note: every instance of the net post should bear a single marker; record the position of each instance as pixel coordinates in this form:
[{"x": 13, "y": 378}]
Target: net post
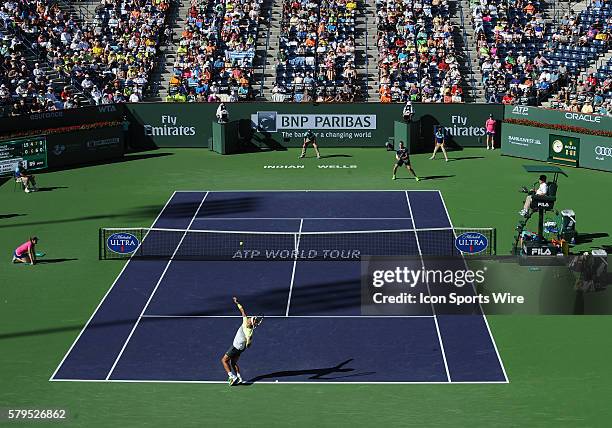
[
  {"x": 143, "y": 234},
  {"x": 494, "y": 242},
  {"x": 100, "y": 244}
]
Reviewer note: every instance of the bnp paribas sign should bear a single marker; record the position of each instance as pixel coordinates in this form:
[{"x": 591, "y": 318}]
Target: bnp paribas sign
[{"x": 271, "y": 121}]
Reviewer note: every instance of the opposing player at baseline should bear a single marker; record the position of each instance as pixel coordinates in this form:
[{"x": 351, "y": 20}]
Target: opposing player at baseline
[
  {"x": 242, "y": 340},
  {"x": 310, "y": 138},
  {"x": 403, "y": 158}
]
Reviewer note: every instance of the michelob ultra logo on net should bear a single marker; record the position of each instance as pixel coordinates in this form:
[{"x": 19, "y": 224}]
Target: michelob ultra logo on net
[
  {"x": 471, "y": 242},
  {"x": 122, "y": 243}
]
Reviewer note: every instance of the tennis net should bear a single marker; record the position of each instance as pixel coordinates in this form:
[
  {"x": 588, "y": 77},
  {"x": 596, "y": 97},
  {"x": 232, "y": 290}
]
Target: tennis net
[{"x": 177, "y": 244}]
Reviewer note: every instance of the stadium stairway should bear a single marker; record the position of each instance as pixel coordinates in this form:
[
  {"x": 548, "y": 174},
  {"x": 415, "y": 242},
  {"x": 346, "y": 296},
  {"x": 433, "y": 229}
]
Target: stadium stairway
[
  {"x": 362, "y": 32},
  {"x": 372, "y": 79},
  {"x": 473, "y": 89},
  {"x": 160, "y": 77},
  {"x": 81, "y": 10},
  {"x": 263, "y": 62},
  {"x": 272, "y": 41}
]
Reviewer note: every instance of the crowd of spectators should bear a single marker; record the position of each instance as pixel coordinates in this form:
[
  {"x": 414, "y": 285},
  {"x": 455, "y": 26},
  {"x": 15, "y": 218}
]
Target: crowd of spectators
[
  {"x": 316, "y": 59},
  {"x": 108, "y": 60},
  {"x": 591, "y": 95},
  {"x": 216, "y": 51},
  {"x": 112, "y": 58},
  {"x": 511, "y": 50},
  {"x": 24, "y": 85},
  {"x": 417, "y": 56},
  {"x": 590, "y": 32},
  {"x": 525, "y": 61}
]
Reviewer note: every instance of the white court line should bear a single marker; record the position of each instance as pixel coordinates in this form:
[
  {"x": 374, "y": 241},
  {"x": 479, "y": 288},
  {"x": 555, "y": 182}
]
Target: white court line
[
  {"x": 107, "y": 292},
  {"x": 304, "y": 190},
  {"x": 284, "y": 382},
  {"x": 301, "y": 218},
  {"x": 259, "y": 232},
  {"x": 448, "y": 376},
  {"x": 289, "y": 316},
  {"x": 297, "y": 247},
  {"x": 501, "y": 363},
  {"x": 154, "y": 290}
]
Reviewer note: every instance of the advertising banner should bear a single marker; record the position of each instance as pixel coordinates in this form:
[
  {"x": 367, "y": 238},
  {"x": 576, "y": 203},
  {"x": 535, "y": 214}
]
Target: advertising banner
[
  {"x": 285, "y": 124},
  {"x": 86, "y": 146},
  {"x": 563, "y": 150},
  {"x": 589, "y": 121},
  {"x": 60, "y": 118},
  {"x": 596, "y": 153},
  {"x": 525, "y": 142}
]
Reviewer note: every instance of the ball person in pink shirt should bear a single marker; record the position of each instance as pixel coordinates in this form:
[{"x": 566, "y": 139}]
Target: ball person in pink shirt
[
  {"x": 26, "y": 252},
  {"x": 490, "y": 132}
]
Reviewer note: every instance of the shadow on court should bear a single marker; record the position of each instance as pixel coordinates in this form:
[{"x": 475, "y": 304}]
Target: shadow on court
[
  {"x": 316, "y": 297},
  {"x": 125, "y": 158},
  {"x": 335, "y": 156},
  {"x": 587, "y": 238},
  {"x": 326, "y": 373},
  {"x": 465, "y": 158},
  {"x": 50, "y": 189},
  {"x": 228, "y": 206},
  {"x": 51, "y": 261},
  {"x": 306, "y": 299},
  {"x": 178, "y": 210},
  {"x": 428, "y": 177},
  {"x": 4, "y": 216},
  {"x": 435, "y": 177}
]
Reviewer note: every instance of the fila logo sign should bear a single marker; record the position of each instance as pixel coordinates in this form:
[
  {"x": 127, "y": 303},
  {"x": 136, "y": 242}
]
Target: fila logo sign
[{"x": 537, "y": 251}]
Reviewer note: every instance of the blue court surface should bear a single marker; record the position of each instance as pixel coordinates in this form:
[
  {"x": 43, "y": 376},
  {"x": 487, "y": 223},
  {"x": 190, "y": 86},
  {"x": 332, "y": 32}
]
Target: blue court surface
[{"x": 172, "y": 320}]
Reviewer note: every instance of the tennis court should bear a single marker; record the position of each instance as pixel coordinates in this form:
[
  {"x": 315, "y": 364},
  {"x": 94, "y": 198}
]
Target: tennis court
[{"x": 172, "y": 320}]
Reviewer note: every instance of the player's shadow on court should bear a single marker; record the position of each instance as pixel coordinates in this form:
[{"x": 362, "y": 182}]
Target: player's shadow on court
[
  {"x": 335, "y": 156},
  {"x": 427, "y": 177},
  {"x": 435, "y": 177},
  {"x": 327, "y": 373},
  {"x": 50, "y": 189},
  {"x": 465, "y": 158}
]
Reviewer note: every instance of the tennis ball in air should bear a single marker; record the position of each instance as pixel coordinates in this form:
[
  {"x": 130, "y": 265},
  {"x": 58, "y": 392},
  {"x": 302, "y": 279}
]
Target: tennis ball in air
[{"x": 241, "y": 243}]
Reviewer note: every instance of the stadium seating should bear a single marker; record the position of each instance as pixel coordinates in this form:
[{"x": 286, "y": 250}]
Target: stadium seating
[
  {"x": 215, "y": 54},
  {"x": 23, "y": 82},
  {"x": 524, "y": 60},
  {"x": 581, "y": 41},
  {"x": 316, "y": 59},
  {"x": 511, "y": 50},
  {"x": 51, "y": 60},
  {"x": 417, "y": 58},
  {"x": 108, "y": 60}
]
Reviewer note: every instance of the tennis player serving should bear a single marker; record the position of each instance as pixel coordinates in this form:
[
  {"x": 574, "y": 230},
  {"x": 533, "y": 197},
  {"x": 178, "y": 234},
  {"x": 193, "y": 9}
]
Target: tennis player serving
[
  {"x": 403, "y": 158},
  {"x": 242, "y": 340}
]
